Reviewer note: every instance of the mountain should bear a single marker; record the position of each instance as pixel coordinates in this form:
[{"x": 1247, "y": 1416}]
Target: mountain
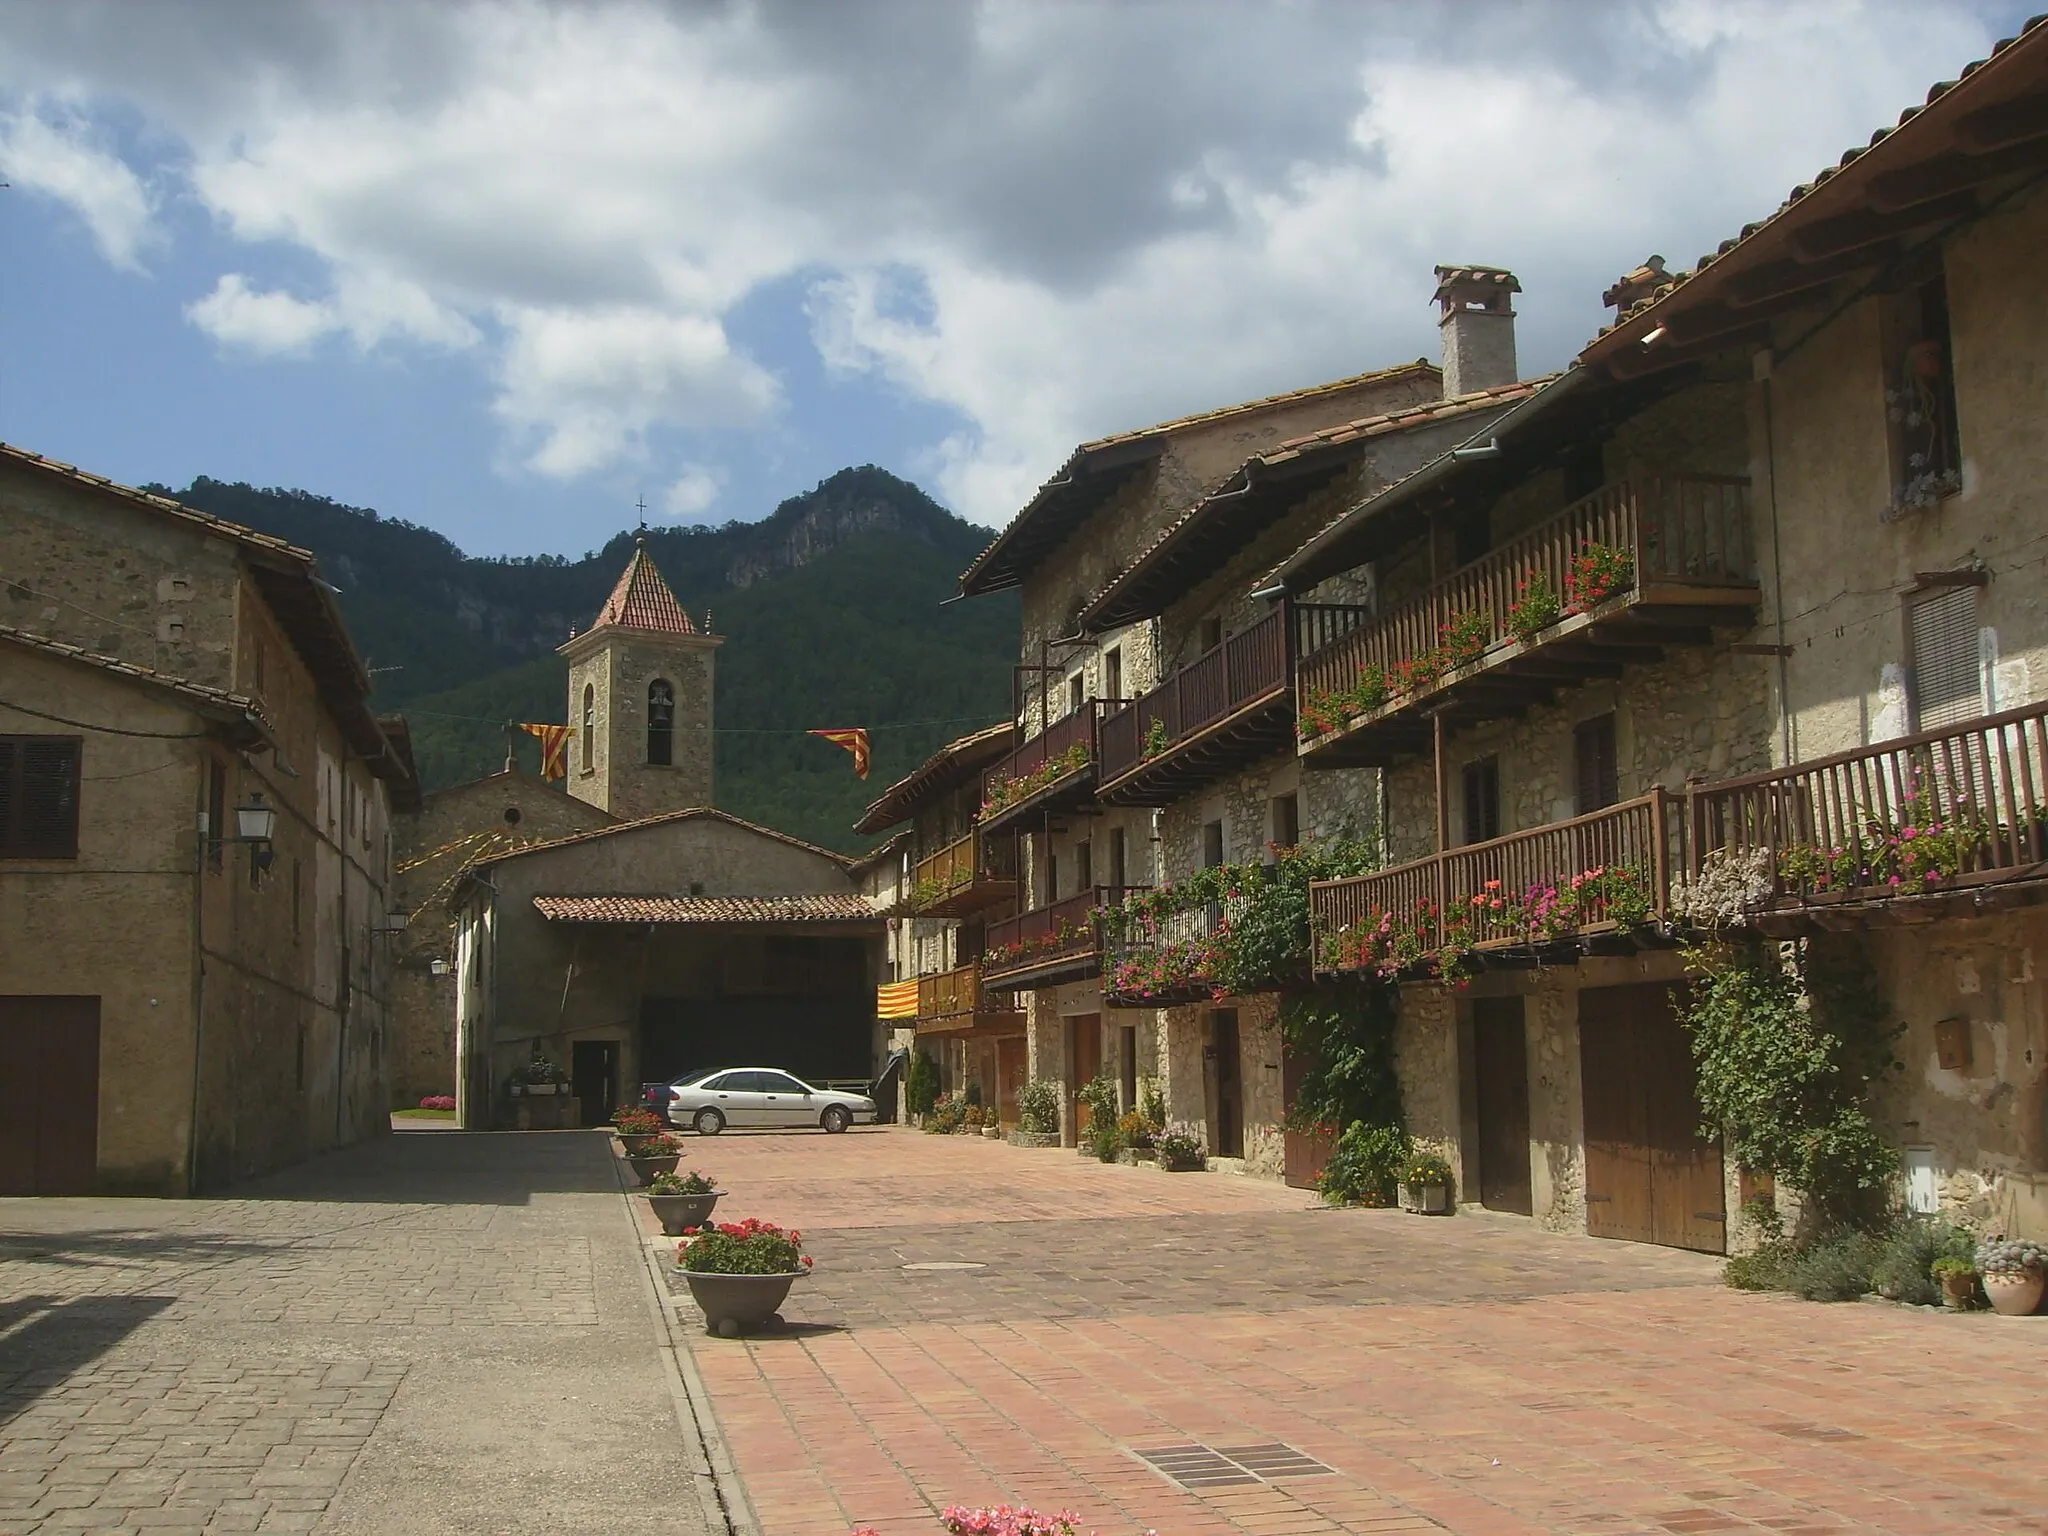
[{"x": 830, "y": 609}]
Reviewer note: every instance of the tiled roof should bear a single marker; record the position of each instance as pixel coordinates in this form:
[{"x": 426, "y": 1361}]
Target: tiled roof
[
  {"x": 1222, "y": 496},
  {"x": 707, "y": 909},
  {"x": 155, "y": 503},
  {"x": 686, "y": 814},
  {"x": 952, "y": 762},
  {"x": 985, "y": 575},
  {"x": 1448, "y": 278},
  {"x": 2031, "y": 38},
  {"x": 642, "y": 600},
  {"x": 202, "y": 698}
]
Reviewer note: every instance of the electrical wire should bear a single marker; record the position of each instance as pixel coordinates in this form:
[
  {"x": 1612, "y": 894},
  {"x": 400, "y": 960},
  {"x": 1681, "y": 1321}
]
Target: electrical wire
[
  {"x": 107, "y": 730},
  {"x": 717, "y": 730}
]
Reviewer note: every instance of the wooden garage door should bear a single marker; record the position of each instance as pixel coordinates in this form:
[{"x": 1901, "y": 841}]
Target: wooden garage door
[
  {"x": 1306, "y": 1152},
  {"x": 1649, "y": 1177},
  {"x": 49, "y": 1095}
]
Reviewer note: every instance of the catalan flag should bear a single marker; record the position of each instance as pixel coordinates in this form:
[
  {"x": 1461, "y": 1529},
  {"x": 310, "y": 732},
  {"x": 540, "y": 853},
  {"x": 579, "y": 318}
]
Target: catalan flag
[
  {"x": 855, "y": 740},
  {"x": 554, "y": 749},
  {"x": 896, "y": 999}
]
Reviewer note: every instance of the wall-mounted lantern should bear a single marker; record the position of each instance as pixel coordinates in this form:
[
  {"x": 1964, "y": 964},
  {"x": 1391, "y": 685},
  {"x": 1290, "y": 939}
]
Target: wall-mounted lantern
[
  {"x": 394, "y": 922},
  {"x": 441, "y": 968},
  {"x": 254, "y": 824}
]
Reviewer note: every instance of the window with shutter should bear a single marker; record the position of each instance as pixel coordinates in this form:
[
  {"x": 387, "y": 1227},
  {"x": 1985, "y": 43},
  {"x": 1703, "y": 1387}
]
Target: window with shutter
[
  {"x": 1948, "y": 683},
  {"x": 39, "y": 796},
  {"x": 1482, "y": 800},
  {"x": 1598, "y": 767}
]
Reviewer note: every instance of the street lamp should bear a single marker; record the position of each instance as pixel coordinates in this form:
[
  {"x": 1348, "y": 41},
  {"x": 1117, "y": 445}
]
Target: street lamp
[{"x": 255, "y": 822}]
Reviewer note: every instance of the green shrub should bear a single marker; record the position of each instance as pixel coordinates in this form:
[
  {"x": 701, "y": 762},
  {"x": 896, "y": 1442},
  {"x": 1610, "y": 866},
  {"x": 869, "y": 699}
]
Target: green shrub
[
  {"x": 973, "y": 1091},
  {"x": 1835, "y": 1268},
  {"x": 1152, "y": 1105},
  {"x": 948, "y": 1113},
  {"x": 1363, "y": 1168},
  {"x": 1905, "y": 1270},
  {"x": 1038, "y": 1107},
  {"x": 921, "y": 1083}
]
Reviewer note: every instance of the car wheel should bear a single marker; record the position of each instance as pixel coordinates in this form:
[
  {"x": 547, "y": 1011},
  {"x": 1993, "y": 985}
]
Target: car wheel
[
  {"x": 835, "y": 1119},
  {"x": 709, "y": 1122}
]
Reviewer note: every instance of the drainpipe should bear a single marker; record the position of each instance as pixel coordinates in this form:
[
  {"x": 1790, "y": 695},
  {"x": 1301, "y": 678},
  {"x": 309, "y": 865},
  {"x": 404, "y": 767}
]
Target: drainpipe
[
  {"x": 1778, "y": 575},
  {"x": 199, "y": 808}
]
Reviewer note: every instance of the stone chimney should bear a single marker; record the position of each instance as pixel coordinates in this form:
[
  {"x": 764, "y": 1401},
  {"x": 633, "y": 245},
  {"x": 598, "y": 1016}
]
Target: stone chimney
[
  {"x": 1631, "y": 288},
  {"x": 1478, "y": 323}
]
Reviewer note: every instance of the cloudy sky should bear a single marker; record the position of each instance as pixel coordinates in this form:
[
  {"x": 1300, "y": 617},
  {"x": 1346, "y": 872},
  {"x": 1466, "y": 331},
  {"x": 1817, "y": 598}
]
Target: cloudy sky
[{"x": 507, "y": 268}]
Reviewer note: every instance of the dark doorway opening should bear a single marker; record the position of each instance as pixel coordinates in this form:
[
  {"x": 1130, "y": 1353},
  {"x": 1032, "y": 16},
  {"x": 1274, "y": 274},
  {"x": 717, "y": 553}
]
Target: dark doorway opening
[
  {"x": 594, "y": 1078},
  {"x": 1226, "y": 1084},
  {"x": 1500, "y": 1068},
  {"x": 49, "y": 1095}
]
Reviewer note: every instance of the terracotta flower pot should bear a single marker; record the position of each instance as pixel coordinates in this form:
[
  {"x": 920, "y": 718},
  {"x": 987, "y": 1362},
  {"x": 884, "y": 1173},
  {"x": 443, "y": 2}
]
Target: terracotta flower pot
[
  {"x": 1958, "y": 1291},
  {"x": 2014, "y": 1293},
  {"x": 732, "y": 1304},
  {"x": 645, "y": 1169},
  {"x": 676, "y": 1213}
]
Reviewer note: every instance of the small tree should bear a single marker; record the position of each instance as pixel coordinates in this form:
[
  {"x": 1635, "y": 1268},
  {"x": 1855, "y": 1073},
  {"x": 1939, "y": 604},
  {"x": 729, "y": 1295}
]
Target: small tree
[{"x": 921, "y": 1084}]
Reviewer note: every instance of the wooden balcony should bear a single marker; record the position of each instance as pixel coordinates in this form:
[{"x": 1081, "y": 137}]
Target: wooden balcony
[
  {"x": 1218, "y": 713},
  {"x": 964, "y": 877},
  {"x": 1161, "y": 962},
  {"x": 1597, "y": 881},
  {"x": 1052, "y": 771},
  {"x": 1684, "y": 543},
  {"x": 954, "y": 1004},
  {"x": 1050, "y": 945},
  {"x": 1944, "y": 823}
]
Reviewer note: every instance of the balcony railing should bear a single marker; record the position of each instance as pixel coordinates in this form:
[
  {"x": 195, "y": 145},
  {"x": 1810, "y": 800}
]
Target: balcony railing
[
  {"x": 1964, "y": 807},
  {"x": 964, "y": 876},
  {"x": 1053, "y": 766},
  {"x": 1600, "y": 873},
  {"x": 1160, "y": 961},
  {"x": 1684, "y": 546},
  {"x": 1061, "y": 942},
  {"x": 1226, "y": 685},
  {"x": 955, "y": 1002}
]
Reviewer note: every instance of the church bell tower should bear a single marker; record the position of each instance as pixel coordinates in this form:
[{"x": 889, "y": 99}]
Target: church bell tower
[{"x": 640, "y": 682}]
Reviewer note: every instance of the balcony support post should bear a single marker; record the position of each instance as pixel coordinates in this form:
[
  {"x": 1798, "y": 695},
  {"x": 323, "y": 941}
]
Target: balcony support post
[{"x": 1443, "y": 787}]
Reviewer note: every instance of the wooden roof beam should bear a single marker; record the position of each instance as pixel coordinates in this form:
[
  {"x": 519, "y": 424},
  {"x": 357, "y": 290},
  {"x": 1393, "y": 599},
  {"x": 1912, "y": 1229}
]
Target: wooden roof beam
[{"x": 1866, "y": 226}]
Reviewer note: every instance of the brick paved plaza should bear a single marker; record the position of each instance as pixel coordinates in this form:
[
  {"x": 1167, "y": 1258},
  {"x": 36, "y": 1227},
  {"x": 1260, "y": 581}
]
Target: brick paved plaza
[{"x": 446, "y": 1333}]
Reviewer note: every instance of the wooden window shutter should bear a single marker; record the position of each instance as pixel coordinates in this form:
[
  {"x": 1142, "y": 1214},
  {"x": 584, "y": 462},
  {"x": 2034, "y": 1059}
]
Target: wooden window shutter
[
  {"x": 1482, "y": 800},
  {"x": 39, "y": 796},
  {"x": 1948, "y": 684},
  {"x": 1598, "y": 767}
]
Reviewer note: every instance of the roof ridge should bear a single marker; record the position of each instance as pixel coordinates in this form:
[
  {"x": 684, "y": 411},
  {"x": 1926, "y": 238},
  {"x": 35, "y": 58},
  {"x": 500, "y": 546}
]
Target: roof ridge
[
  {"x": 642, "y": 599},
  {"x": 682, "y": 814},
  {"x": 133, "y": 671}
]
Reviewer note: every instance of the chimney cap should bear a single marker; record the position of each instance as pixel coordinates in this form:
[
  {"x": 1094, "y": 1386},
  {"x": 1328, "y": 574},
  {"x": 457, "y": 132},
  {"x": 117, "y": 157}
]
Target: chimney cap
[
  {"x": 1477, "y": 287},
  {"x": 1632, "y": 287}
]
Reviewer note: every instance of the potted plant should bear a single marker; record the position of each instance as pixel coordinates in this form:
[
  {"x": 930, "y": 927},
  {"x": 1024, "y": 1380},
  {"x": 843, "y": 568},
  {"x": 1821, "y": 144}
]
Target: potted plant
[
  {"x": 2014, "y": 1272},
  {"x": 681, "y": 1201},
  {"x": 1181, "y": 1149},
  {"x": 1958, "y": 1278},
  {"x": 636, "y": 1127},
  {"x": 540, "y": 1074},
  {"x": 740, "y": 1272},
  {"x": 1426, "y": 1185},
  {"x": 1135, "y": 1133},
  {"x": 1038, "y": 1114},
  {"x": 657, "y": 1154}
]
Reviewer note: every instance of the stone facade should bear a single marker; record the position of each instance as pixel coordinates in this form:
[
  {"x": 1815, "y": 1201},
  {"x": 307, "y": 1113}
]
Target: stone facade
[
  {"x": 454, "y": 828},
  {"x": 611, "y": 670},
  {"x": 243, "y": 1013}
]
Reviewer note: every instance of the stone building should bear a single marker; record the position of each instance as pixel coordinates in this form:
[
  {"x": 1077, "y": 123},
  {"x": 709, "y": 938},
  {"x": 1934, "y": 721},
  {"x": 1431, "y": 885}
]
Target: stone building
[
  {"x": 641, "y": 951},
  {"x": 1147, "y": 667},
  {"x": 1795, "y": 489},
  {"x": 181, "y": 1007},
  {"x": 942, "y": 882},
  {"x": 639, "y": 711}
]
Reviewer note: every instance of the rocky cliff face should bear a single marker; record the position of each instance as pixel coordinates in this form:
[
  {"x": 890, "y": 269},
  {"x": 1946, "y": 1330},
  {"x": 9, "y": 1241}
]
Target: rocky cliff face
[{"x": 854, "y": 501}]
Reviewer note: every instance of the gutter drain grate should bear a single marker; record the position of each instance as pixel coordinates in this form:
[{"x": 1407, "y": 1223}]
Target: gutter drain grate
[{"x": 1201, "y": 1466}]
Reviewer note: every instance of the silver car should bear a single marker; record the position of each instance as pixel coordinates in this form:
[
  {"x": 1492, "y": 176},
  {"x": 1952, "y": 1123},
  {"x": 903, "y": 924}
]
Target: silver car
[{"x": 762, "y": 1096}]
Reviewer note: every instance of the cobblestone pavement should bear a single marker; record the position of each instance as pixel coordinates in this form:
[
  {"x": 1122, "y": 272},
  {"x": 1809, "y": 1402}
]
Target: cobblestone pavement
[
  {"x": 427, "y": 1334},
  {"x": 1471, "y": 1375}
]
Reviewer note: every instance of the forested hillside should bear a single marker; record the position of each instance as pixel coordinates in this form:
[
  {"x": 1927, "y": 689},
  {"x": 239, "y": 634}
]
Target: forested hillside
[{"x": 829, "y": 607}]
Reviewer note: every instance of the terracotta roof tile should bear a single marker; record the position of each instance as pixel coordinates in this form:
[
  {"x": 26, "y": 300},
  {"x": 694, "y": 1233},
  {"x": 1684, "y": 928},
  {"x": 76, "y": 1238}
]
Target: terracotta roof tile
[
  {"x": 1639, "y": 303},
  {"x": 642, "y": 600},
  {"x": 707, "y": 909},
  {"x": 216, "y": 703},
  {"x": 899, "y": 801}
]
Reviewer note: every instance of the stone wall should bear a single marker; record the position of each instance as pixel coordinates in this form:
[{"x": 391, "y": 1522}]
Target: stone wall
[{"x": 608, "y": 764}]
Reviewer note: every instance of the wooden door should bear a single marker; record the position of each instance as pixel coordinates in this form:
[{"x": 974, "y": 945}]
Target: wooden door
[
  {"x": 50, "y": 1102},
  {"x": 1227, "y": 1083},
  {"x": 1012, "y": 1060},
  {"x": 1500, "y": 1068},
  {"x": 1304, "y": 1152},
  {"x": 1649, "y": 1177},
  {"x": 594, "y": 1079},
  {"x": 1085, "y": 1059}
]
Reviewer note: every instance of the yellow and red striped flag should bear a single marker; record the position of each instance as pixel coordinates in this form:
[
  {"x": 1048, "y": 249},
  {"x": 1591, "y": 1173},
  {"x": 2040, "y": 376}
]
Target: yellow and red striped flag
[
  {"x": 855, "y": 740},
  {"x": 896, "y": 999},
  {"x": 554, "y": 749}
]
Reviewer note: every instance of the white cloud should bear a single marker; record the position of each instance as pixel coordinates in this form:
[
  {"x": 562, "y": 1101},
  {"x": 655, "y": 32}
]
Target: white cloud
[
  {"x": 50, "y": 149},
  {"x": 266, "y": 323},
  {"x": 692, "y": 493},
  {"x": 1053, "y": 221}
]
